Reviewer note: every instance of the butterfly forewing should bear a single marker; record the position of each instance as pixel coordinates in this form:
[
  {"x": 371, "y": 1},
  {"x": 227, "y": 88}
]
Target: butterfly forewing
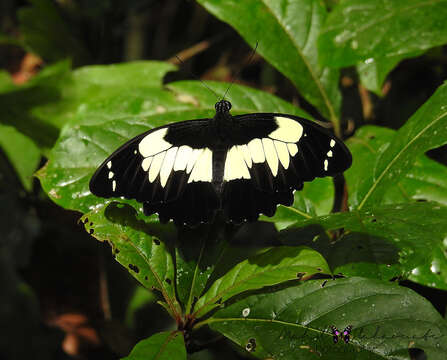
[{"x": 168, "y": 169}]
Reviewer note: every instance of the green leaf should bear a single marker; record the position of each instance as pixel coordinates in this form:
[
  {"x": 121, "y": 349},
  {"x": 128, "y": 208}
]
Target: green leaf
[
  {"x": 161, "y": 346},
  {"x": 373, "y": 73},
  {"x": 22, "y": 153},
  {"x": 198, "y": 252},
  {"x": 384, "y": 242},
  {"x": 136, "y": 245},
  {"x": 271, "y": 267},
  {"x": 45, "y": 33},
  {"x": 287, "y": 32},
  {"x": 357, "y": 30},
  {"x": 315, "y": 199},
  {"x": 386, "y": 320},
  {"x": 425, "y": 130},
  {"x": 101, "y": 125},
  {"x": 426, "y": 180}
]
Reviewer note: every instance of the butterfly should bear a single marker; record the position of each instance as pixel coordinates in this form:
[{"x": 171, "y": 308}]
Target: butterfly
[
  {"x": 240, "y": 165},
  {"x": 343, "y": 335}
]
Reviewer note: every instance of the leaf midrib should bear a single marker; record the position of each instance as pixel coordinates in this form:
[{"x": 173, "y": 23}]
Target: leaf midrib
[
  {"x": 391, "y": 163},
  {"x": 237, "y": 283},
  {"x": 320, "y": 87}
]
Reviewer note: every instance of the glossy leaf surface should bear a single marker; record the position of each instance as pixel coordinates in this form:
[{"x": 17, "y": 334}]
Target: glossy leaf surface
[
  {"x": 357, "y": 30},
  {"x": 295, "y": 322}
]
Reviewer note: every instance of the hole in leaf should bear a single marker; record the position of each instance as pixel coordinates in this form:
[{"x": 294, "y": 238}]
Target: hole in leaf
[
  {"x": 300, "y": 275},
  {"x": 156, "y": 241},
  {"x": 168, "y": 281},
  {"x": 91, "y": 231},
  {"x": 373, "y": 220},
  {"x": 145, "y": 278},
  {"x": 134, "y": 268},
  {"x": 417, "y": 354},
  {"x": 86, "y": 220}
]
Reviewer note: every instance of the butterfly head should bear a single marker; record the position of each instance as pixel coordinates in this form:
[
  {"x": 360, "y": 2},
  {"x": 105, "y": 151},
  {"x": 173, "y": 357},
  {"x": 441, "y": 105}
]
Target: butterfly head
[{"x": 223, "y": 106}]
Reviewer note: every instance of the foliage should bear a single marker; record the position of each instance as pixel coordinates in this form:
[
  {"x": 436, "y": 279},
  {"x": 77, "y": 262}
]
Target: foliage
[{"x": 280, "y": 298}]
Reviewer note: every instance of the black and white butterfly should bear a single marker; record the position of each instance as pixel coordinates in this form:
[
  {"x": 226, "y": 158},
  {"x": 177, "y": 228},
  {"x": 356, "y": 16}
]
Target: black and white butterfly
[
  {"x": 241, "y": 165},
  {"x": 345, "y": 335}
]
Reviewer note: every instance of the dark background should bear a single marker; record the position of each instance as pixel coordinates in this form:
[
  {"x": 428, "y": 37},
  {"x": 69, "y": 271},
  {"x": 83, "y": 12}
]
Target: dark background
[{"x": 62, "y": 294}]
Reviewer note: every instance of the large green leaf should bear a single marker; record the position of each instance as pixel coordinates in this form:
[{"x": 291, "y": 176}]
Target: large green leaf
[
  {"x": 161, "y": 346},
  {"x": 23, "y": 154},
  {"x": 101, "y": 125},
  {"x": 315, "y": 199},
  {"x": 136, "y": 245},
  {"x": 357, "y": 30},
  {"x": 425, "y": 130},
  {"x": 406, "y": 240},
  {"x": 197, "y": 254},
  {"x": 271, "y": 267},
  {"x": 372, "y": 72},
  {"x": 426, "y": 180},
  {"x": 287, "y": 31},
  {"x": 386, "y": 320}
]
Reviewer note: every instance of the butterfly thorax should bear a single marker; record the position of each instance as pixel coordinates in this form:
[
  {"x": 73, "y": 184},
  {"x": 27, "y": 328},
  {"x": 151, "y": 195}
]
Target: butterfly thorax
[{"x": 222, "y": 124}]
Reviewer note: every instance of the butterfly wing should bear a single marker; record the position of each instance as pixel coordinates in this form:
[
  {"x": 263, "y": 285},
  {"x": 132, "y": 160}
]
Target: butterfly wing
[
  {"x": 335, "y": 334},
  {"x": 168, "y": 169},
  {"x": 271, "y": 156}
]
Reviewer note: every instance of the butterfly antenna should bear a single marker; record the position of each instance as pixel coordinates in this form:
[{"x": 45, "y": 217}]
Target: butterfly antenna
[
  {"x": 197, "y": 78},
  {"x": 239, "y": 71}
]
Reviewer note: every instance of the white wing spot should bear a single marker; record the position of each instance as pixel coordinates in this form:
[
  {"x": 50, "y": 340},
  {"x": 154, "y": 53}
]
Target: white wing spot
[
  {"x": 109, "y": 164},
  {"x": 271, "y": 155},
  {"x": 181, "y": 160},
  {"x": 168, "y": 163},
  {"x": 288, "y": 130},
  {"x": 146, "y": 163},
  {"x": 156, "y": 166},
  {"x": 235, "y": 166},
  {"x": 154, "y": 143},
  {"x": 110, "y": 174},
  {"x": 332, "y": 143},
  {"x": 135, "y": 152},
  {"x": 283, "y": 153},
  {"x": 293, "y": 149},
  {"x": 203, "y": 167},
  {"x": 192, "y": 159},
  {"x": 256, "y": 151},
  {"x": 113, "y": 185},
  {"x": 329, "y": 153},
  {"x": 326, "y": 163},
  {"x": 245, "y": 151}
]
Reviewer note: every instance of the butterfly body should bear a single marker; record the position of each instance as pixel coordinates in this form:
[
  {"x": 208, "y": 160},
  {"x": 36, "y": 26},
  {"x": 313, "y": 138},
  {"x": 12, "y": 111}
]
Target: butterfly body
[{"x": 242, "y": 165}]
